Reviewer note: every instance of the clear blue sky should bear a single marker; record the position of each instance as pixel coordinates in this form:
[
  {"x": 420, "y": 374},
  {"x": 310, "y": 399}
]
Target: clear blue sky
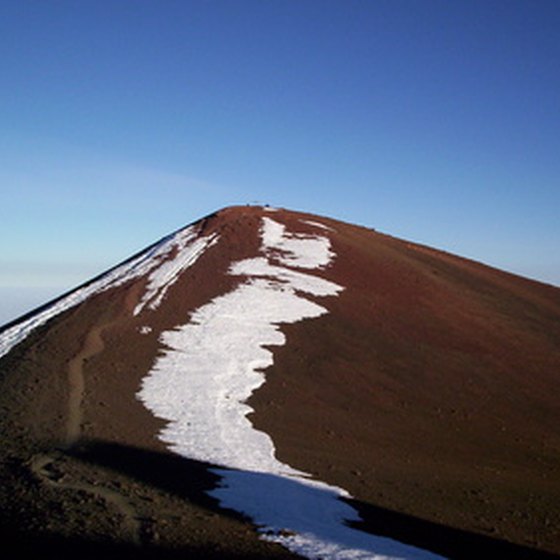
[{"x": 437, "y": 121}]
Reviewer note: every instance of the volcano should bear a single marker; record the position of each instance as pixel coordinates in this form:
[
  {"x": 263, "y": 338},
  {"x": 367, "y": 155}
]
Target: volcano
[{"x": 266, "y": 383}]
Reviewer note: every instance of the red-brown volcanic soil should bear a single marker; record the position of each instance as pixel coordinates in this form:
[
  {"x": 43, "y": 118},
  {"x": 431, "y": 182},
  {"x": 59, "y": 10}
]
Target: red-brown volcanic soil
[
  {"x": 431, "y": 389},
  {"x": 429, "y": 392}
]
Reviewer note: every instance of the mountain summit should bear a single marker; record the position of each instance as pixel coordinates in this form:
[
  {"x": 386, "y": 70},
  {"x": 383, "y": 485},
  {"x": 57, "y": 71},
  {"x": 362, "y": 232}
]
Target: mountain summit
[{"x": 268, "y": 383}]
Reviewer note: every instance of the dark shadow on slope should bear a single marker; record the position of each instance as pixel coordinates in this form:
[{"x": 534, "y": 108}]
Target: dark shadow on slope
[
  {"x": 164, "y": 472},
  {"x": 18, "y": 545},
  {"x": 190, "y": 480},
  {"x": 167, "y": 472},
  {"x": 447, "y": 541}
]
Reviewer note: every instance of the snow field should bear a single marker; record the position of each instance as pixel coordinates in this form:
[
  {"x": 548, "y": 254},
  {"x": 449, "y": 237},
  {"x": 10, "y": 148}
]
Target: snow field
[
  {"x": 306, "y": 517},
  {"x": 211, "y": 366},
  {"x": 295, "y": 249}
]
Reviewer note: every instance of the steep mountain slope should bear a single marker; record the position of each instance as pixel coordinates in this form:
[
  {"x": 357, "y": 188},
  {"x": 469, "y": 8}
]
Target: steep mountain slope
[{"x": 419, "y": 385}]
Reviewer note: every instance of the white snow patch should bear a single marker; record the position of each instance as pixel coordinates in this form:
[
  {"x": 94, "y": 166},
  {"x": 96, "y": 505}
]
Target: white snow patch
[
  {"x": 145, "y": 330},
  {"x": 155, "y": 263},
  {"x": 307, "y": 517},
  {"x": 211, "y": 366},
  {"x": 188, "y": 249},
  {"x": 299, "y": 281},
  {"x": 317, "y": 224},
  {"x": 295, "y": 249}
]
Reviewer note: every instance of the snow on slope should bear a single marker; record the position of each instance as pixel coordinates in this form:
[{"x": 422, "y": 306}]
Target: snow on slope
[
  {"x": 212, "y": 364},
  {"x": 295, "y": 249},
  {"x": 317, "y": 224},
  {"x": 162, "y": 264},
  {"x": 188, "y": 248}
]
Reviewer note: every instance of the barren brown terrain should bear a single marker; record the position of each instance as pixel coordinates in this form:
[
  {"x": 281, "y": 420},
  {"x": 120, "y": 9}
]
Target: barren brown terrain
[{"x": 429, "y": 392}]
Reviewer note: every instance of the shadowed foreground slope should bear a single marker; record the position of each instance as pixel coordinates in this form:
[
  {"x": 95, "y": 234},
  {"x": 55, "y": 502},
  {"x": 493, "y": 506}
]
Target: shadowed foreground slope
[{"x": 175, "y": 477}]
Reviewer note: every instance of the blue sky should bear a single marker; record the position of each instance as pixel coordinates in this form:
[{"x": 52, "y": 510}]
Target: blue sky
[{"x": 436, "y": 121}]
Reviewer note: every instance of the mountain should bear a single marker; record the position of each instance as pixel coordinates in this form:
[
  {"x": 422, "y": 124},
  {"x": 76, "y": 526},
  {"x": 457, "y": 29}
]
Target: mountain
[{"x": 270, "y": 384}]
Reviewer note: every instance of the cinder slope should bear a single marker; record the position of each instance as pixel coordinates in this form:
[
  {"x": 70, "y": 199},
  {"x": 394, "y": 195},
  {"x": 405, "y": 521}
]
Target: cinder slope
[{"x": 428, "y": 390}]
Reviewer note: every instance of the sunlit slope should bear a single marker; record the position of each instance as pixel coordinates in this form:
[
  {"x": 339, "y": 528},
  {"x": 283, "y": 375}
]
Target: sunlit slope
[
  {"x": 429, "y": 388},
  {"x": 414, "y": 381}
]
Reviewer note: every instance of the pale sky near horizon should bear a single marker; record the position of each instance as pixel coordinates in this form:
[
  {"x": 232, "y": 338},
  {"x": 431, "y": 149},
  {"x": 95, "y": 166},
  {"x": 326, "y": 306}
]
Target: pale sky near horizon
[{"x": 121, "y": 121}]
